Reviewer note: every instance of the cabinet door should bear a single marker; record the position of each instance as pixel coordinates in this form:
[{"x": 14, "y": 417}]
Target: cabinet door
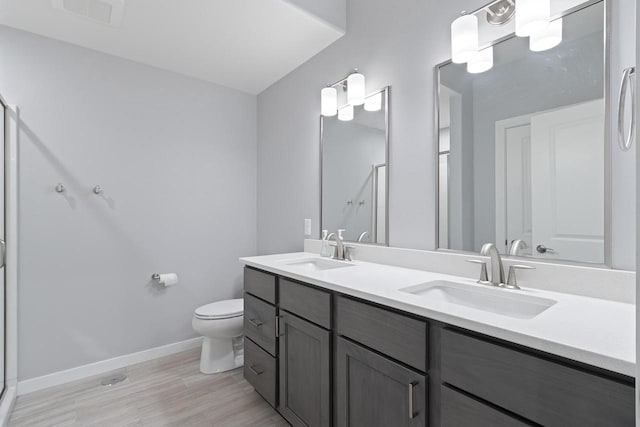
[
  {"x": 373, "y": 391},
  {"x": 305, "y": 391}
]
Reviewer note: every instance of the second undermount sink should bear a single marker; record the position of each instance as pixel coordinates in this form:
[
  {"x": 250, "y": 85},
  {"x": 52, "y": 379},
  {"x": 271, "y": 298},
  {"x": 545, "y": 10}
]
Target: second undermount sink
[
  {"x": 317, "y": 264},
  {"x": 494, "y": 300}
]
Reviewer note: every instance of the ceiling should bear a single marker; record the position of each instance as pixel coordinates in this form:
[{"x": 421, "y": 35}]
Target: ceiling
[{"x": 242, "y": 44}]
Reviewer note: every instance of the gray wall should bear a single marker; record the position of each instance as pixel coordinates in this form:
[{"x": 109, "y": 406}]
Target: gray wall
[
  {"x": 393, "y": 43},
  {"x": 177, "y": 160}
]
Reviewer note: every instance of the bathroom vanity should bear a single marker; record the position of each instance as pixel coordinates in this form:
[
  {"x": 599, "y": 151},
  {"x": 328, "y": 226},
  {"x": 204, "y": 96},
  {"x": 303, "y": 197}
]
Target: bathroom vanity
[{"x": 325, "y": 353}]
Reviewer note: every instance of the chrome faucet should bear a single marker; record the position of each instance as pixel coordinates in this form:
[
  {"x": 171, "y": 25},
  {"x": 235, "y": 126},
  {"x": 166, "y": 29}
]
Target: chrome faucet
[
  {"x": 339, "y": 252},
  {"x": 516, "y": 246},
  {"x": 497, "y": 270},
  {"x": 342, "y": 251}
]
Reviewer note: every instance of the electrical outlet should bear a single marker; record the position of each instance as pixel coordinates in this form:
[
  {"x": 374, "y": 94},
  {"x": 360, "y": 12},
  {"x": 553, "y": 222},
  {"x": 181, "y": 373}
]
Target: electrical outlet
[{"x": 307, "y": 227}]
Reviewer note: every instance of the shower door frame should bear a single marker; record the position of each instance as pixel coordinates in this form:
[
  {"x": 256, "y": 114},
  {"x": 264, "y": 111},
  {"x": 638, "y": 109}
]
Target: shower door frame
[{"x": 11, "y": 126}]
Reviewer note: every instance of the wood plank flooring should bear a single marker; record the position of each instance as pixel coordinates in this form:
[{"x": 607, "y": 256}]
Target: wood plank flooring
[{"x": 169, "y": 391}]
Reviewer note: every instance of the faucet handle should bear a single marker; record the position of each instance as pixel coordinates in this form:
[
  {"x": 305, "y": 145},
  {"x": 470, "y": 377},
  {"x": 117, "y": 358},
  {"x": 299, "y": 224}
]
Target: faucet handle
[
  {"x": 347, "y": 252},
  {"x": 512, "y": 282},
  {"x": 484, "y": 277}
]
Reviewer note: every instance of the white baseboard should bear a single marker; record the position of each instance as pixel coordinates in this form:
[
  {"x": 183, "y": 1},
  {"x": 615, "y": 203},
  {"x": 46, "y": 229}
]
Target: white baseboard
[
  {"x": 6, "y": 405},
  {"x": 97, "y": 368}
]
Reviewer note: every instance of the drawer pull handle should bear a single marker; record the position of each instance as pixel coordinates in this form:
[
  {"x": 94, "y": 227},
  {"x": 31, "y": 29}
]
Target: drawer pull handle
[
  {"x": 256, "y": 323},
  {"x": 255, "y": 371},
  {"x": 411, "y": 412}
]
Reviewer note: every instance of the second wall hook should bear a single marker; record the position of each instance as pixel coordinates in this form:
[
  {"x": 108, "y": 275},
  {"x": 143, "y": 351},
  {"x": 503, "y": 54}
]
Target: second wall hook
[{"x": 97, "y": 189}]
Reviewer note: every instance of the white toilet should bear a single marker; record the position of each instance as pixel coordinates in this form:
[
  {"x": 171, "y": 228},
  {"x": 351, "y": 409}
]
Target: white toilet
[{"x": 220, "y": 323}]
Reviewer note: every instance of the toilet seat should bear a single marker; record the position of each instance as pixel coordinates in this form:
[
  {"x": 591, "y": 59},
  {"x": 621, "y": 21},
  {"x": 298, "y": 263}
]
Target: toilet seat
[{"x": 221, "y": 310}]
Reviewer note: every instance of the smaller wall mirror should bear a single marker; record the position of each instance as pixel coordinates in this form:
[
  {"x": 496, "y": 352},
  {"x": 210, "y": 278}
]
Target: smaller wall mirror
[{"x": 354, "y": 171}]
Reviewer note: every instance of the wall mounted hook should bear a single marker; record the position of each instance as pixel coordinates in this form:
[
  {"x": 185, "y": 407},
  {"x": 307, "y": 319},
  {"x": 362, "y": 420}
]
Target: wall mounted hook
[
  {"x": 97, "y": 189},
  {"x": 60, "y": 188}
]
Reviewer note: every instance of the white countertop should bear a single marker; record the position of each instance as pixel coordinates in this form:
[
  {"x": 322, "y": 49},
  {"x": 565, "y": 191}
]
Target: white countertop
[{"x": 590, "y": 330}]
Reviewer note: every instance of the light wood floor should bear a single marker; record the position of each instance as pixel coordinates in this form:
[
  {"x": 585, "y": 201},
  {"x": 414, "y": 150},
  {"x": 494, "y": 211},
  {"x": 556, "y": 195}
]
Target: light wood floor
[{"x": 169, "y": 391}]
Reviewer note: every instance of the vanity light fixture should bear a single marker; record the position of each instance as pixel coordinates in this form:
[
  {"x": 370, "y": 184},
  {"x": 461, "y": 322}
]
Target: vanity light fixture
[
  {"x": 329, "y": 101},
  {"x": 464, "y": 38},
  {"x": 355, "y": 88},
  {"x": 373, "y": 102},
  {"x": 532, "y": 16},
  {"x": 482, "y": 61},
  {"x": 549, "y": 37},
  {"x": 345, "y": 113}
]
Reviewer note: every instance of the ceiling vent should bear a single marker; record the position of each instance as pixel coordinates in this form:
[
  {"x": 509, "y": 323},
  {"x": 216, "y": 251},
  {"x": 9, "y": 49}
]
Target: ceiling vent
[{"x": 107, "y": 12}]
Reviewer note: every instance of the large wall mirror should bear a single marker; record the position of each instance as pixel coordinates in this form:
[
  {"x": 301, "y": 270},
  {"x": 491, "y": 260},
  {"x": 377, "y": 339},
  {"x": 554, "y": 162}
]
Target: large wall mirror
[
  {"x": 354, "y": 156},
  {"x": 523, "y": 158}
]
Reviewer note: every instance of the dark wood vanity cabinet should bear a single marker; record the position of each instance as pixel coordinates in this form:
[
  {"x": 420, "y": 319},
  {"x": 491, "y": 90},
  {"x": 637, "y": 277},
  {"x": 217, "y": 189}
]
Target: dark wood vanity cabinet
[
  {"x": 325, "y": 359},
  {"x": 288, "y": 347}
]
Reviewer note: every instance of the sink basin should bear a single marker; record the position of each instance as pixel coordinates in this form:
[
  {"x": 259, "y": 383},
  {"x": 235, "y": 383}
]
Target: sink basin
[
  {"x": 498, "y": 301},
  {"x": 317, "y": 264}
]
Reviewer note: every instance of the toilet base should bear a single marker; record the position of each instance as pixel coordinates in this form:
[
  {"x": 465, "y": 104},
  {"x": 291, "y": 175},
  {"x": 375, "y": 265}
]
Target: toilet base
[{"x": 218, "y": 355}]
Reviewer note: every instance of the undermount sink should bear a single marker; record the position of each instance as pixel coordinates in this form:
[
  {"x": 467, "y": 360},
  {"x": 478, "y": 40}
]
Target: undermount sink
[
  {"x": 494, "y": 300},
  {"x": 317, "y": 264}
]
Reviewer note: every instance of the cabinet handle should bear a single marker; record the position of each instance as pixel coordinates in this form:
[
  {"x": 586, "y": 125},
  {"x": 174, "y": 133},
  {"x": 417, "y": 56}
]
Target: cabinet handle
[
  {"x": 255, "y": 371},
  {"x": 256, "y": 323},
  {"x": 411, "y": 412},
  {"x": 277, "y": 326}
]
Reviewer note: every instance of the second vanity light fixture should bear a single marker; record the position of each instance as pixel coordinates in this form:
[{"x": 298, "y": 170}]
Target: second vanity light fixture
[
  {"x": 354, "y": 86},
  {"x": 533, "y": 20}
]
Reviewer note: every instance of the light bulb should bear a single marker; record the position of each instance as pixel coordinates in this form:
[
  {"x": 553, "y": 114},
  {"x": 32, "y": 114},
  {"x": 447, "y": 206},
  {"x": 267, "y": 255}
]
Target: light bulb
[
  {"x": 355, "y": 89},
  {"x": 464, "y": 38},
  {"x": 329, "y": 101},
  {"x": 532, "y": 16},
  {"x": 548, "y": 38},
  {"x": 345, "y": 113},
  {"x": 373, "y": 102},
  {"x": 481, "y": 61}
]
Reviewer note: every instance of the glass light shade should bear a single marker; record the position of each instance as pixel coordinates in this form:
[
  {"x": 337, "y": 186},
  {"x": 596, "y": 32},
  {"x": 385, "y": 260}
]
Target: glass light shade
[
  {"x": 355, "y": 89},
  {"x": 532, "y": 16},
  {"x": 548, "y": 38},
  {"x": 345, "y": 113},
  {"x": 329, "y": 101},
  {"x": 464, "y": 38},
  {"x": 481, "y": 61},
  {"x": 373, "y": 102}
]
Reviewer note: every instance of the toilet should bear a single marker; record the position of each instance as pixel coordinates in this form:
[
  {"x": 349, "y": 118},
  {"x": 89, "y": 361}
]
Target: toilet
[{"x": 220, "y": 323}]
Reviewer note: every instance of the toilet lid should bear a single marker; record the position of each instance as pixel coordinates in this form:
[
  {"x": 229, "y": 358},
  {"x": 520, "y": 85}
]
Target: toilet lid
[{"x": 221, "y": 309}]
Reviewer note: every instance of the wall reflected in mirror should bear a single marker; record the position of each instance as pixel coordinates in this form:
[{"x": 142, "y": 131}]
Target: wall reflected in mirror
[
  {"x": 522, "y": 147},
  {"x": 354, "y": 156}
]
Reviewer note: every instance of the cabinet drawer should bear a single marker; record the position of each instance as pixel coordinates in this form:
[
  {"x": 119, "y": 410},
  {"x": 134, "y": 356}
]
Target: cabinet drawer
[
  {"x": 260, "y": 322},
  {"x": 306, "y": 302},
  {"x": 458, "y": 410},
  {"x": 540, "y": 390},
  {"x": 260, "y": 371},
  {"x": 260, "y": 284},
  {"x": 400, "y": 337}
]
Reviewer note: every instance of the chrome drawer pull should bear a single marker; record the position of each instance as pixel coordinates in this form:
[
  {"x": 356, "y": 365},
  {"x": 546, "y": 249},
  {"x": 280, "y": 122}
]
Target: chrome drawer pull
[
  {"x": 411, "y": 413},
  {"x": 256, "y": 323},
  {"x": 255, "y": 371}
]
